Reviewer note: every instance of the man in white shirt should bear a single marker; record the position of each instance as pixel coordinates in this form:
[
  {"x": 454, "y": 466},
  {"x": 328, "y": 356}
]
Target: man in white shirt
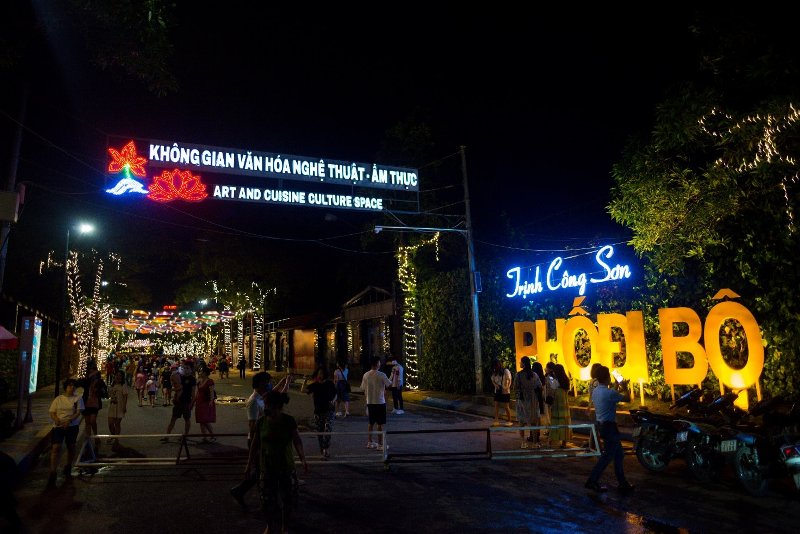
[
  {"x": 373, "y": 384},
  {"x": 65, "y": 412}
]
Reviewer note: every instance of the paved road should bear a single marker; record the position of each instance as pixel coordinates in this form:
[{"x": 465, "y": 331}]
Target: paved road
[{"x": 359, "y": 495}]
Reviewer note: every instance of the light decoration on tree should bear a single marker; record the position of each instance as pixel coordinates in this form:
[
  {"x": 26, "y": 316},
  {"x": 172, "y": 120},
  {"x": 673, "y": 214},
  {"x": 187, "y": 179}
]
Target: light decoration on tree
[
  {"x": 137, "y": 343},
  {"x": 226, "y": 328},
  {"x": 238, "y": 305},
  {"x": 193, "y": 347},
  {"x": 104, "y": 332},
  {"x": 386, "y": 335},
  {"x": 350, "y": 339},
  {"x": 407, "y": 275},
  {"x": 259, "y": 322},
  {"x": 766, "y": 152},
  {"x": 240, "y": 339}
]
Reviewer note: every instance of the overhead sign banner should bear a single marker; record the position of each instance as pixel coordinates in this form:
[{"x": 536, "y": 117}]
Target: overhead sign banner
[
  {"x": 166, "y": 172},
  {"x": 201, "y": 158}
]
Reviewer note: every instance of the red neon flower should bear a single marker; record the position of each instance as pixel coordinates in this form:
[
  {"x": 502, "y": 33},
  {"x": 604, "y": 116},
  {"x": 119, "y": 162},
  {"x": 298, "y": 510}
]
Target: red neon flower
[
  {"x": 175, "y": 184},
  {"x": 127, "y": 158}
]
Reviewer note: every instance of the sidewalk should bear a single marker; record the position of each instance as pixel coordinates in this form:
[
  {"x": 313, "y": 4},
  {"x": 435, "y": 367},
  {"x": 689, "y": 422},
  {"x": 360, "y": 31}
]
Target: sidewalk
[{"x": 28, "y": 443}]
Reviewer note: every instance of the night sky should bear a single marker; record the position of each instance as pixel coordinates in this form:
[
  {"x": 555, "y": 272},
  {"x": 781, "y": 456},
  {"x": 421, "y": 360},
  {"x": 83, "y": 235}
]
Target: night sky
[{"x": 543, "y": 101}]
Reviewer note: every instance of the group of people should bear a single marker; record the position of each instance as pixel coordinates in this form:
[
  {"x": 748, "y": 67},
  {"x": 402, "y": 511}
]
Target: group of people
[
  {"x": 273, "y": 438},
  {"x": 184, "y": 387},
  {"x": 541, "y": 396},
  {"x": 541, "y": 400}
]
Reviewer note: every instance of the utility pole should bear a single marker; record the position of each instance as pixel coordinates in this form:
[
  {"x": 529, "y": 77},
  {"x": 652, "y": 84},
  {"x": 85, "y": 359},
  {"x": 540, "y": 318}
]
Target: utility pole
[{"x": 476, "y": 325}]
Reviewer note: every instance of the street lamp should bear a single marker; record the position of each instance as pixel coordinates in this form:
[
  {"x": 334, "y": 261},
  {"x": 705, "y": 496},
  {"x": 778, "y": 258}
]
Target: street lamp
[
  {"x": 473, "y": 290},
  {"x": 83, "y": 228}
]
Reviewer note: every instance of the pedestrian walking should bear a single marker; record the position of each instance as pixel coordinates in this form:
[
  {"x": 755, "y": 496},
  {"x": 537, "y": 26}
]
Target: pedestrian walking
[
  {"x": 240, "y": 365},
  {"x": 374, "y": 384},
  {"x": 94, "y": 390},
  {"x": 65, "y": 412},
  {"x": 255, "y": 408},
  {"x": 526, "y": 384},
  {"x": 271, "y": 454},
  {"x": 324, "y": 394},
  {"x": 223, "y": 367},
  {"x": 130, "y": 370},
  {"x": 139, "y": 383},
  {"x": 605, "y": 400},
  {"x": 205, "y": 404},
  {"x": 166, "y": 385},
  {"x": 152, "y": 388},
  {"x": 183, "y": 399},
  {"x": 593, "y": 384},
  {"x": 117, "y": 406},
  {"x": 340, "y": 380},
  {"x": 501, "y": 380},
  {"x": 396, "y": 377}
]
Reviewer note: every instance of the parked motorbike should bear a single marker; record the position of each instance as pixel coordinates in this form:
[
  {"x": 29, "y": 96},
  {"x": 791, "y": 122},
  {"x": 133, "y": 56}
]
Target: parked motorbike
[
  {"x": 655, "y": 434},
  {"x": 752, "y": 449},
  {"x": 773, "y": 452},
  {"x": 790, "y": 456}
]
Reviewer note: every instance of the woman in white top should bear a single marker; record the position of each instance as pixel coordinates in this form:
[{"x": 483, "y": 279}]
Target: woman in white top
[
  {"x": 65, "y": 412},
  {"x": 117, "y": 406},
  {"x": 501, "y": 380}
]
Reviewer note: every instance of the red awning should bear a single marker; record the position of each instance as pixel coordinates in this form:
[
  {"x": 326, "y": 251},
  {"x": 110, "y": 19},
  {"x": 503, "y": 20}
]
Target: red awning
[{"x": 8, "y": 341}]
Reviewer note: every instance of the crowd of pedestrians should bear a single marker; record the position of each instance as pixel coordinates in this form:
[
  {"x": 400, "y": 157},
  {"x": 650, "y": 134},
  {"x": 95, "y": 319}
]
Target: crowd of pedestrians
[{"x": 187, "y": 386}]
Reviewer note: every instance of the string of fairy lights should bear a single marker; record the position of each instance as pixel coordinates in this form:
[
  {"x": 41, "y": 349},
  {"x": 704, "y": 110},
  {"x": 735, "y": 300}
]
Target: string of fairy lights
[
  {"x": 765, "y": 152},
  {"x": 407, "y": 276}
]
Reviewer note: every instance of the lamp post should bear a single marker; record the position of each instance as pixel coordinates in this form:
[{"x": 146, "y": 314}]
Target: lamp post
[{"x": 82, "y": 228}]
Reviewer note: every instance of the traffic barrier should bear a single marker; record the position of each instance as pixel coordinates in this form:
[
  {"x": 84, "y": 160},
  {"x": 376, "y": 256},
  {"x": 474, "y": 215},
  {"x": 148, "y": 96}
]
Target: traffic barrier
[{"x": 342, "y": 449}]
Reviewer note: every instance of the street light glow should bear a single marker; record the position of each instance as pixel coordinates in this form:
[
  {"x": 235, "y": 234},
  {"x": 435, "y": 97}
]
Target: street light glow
[{"x": 85, "y": 228}]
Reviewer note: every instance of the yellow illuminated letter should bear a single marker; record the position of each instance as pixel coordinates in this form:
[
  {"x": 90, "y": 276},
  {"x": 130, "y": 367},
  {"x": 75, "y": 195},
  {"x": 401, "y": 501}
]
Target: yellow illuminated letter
[
  {"x": 571, "y": 363},
  {"x": 671, "y": 346},
  {"x": 632, "y": 327},
  {"x": 747, "y": 375}
]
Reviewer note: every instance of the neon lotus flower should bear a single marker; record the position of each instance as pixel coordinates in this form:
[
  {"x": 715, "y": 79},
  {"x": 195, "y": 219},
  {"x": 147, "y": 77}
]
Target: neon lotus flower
[
  {"x": 172, "y": 185},
  {"x": 127, "y": 159}
]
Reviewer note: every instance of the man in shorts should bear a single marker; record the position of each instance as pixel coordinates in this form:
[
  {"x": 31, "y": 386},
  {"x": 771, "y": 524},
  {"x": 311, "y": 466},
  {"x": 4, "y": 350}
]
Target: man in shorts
[
  {"x": 374, "y": 384},
  {"x": 65, "y": 412},
  {"x": 184, "y": 400}
]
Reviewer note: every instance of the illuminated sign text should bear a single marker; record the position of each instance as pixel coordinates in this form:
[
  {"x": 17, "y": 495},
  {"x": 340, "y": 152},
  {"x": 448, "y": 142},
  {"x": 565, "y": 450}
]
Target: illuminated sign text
[
  {"x": 558, "y": 278},
  {"x": 531, "y": 339}
]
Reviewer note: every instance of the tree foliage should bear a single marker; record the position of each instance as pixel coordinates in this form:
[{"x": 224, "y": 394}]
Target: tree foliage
[
  {"x": 446, "y": 361},
  {"x": 712, "y": 198}
]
